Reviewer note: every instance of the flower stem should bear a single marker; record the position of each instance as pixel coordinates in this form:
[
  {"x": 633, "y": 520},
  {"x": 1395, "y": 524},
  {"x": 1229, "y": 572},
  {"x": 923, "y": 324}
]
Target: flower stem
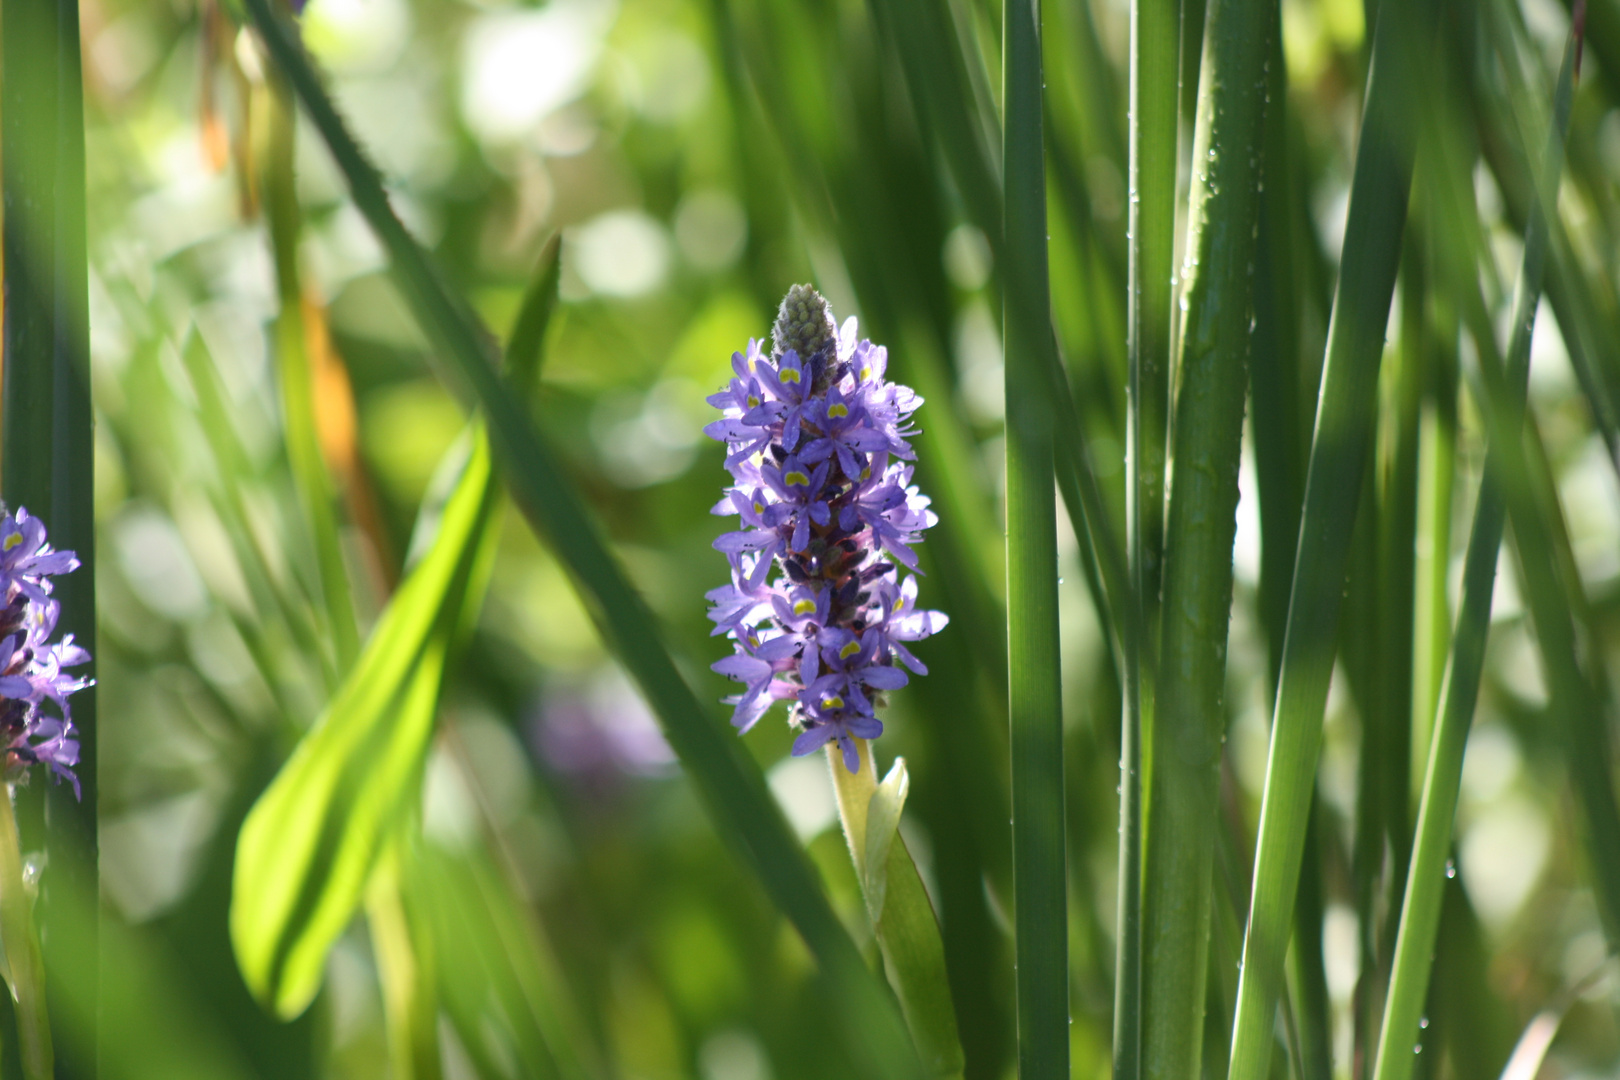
[
  {"x": 902, "y": 916},
  {"x": 23, "y": 957}
]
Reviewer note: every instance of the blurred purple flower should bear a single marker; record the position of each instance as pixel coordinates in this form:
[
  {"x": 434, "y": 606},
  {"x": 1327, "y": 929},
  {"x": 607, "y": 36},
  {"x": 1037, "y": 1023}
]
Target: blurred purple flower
[
  {"x": 601, "y": 729},
  {"x": 32, "y": 667},
  {"x": 809, "y": 434}
]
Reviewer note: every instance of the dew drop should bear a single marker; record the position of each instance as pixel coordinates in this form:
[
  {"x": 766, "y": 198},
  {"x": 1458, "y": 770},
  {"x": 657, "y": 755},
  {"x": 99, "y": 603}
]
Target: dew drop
[
  {"x": 1451, "y": 868},
  {"x": 1423, "y": 1023}
]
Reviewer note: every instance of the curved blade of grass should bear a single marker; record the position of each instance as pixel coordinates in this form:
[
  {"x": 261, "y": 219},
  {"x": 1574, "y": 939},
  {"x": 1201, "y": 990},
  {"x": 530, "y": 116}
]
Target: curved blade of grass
[
  {"x": 1377, "y": 215},
  {"x": 1155, "y": 29},
  {"x": 735, "y": 795},
  {"x": 1035, "y": 700},
  {"x": 902, "y": 917},
  {"x": 1420, "y": 909},
  {"x": 1188, "y": 719}
]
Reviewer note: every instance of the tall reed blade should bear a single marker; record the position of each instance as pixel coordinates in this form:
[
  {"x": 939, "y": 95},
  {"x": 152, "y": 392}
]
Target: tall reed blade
[
  {"x": 733, "y": 791},
  {"x": 1155, "y": 26},
  {"x": 297, "y": 385},
  {"x": 47, "y": 453},
  {"x": 1426, "y": 880},
  {"x": 1377, "y": 216},
  {"x": 1035, "y": 701},
  {"x": 1182, "y": 809}
]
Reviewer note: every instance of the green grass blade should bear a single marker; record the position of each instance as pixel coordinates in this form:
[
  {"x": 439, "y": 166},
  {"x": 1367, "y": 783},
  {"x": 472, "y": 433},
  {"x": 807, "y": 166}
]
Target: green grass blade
[
  {"x": 1420, "y": 910},
  {"x": 1155, "y": 29},
  {"x": 49, "y": 462},
  {"x": 1438, "y": 468},
  {"x": 735, "y": 795},
  {"x": 902, "y": 916},
  {"x": 1188, "y": 719},
  {"x": 1377, "y": 215},
  {"x": 308, "y": 466},
  {"x": 1035, "y": 700}
]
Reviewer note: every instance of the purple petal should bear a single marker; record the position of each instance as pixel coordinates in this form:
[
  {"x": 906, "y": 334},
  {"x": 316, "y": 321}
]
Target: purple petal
[
  {"x": 852, "y": 760},
  {"x": 812, "y": 740},
  {"x": 884, "y": 678}
]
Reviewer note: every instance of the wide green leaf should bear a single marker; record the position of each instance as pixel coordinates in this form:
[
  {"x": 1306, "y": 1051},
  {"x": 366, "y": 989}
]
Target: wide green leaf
[{"x": 308, "y": 847}]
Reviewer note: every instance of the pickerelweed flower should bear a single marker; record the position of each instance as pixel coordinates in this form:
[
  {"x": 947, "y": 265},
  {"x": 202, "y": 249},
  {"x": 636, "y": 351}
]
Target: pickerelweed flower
[
  {"x": 816, "y": 446},
  {"x": 32, "y": 667}
]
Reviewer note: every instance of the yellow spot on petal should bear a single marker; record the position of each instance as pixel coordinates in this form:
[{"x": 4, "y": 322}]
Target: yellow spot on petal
[
  {"x": 849, "y": 650},
  {"x": 753, "y": 401},
  {"x": 838, "y": 410},
  {"x": 900, "y": 603},
  {"x": 789, "y": 375},
  {"x": 804, "y": 607},
  {"x": 834, "y": 702},
  {"x": 866, "y": 473},
  {"x": 866, "y": 373},
  {"x": 13, "y": 540},
  {"x": 797, "y": 477},
  {"x": 759, "y": 508}
]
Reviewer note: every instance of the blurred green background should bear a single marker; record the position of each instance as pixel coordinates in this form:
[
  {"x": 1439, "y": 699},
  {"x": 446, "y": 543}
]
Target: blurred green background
[{"x": 698, "y": 157}]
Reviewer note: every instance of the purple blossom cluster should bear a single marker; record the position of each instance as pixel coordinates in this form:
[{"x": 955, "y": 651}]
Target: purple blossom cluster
[
  {"x": 32, "y": 667},
  {"x": 817, "y": 450}
]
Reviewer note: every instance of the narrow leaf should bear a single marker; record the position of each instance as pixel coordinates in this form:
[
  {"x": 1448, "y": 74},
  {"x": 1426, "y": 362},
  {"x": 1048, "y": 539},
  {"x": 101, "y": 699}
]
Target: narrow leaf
[
  {"x": 1181, "y": 808},
  {"x": 882, "y": 823},
  {"x": 1035, "y": 698},
  {"x": 902, "y": 916}
]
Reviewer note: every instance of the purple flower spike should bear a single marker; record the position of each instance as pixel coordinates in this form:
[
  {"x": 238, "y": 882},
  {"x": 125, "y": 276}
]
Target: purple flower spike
[
  {"x": 810, "y": 431},
  {"x": 32, "y": 673}
]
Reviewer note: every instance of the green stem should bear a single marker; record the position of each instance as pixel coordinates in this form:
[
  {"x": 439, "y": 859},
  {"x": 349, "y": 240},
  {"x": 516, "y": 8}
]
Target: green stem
[
  {"x": 1155, "y": 26},
  {"x": 26, "y": 965},
  {"x": 405, "y": 969},
  {"x": 1188, "y": 720},
  {"x": 309, "y": 469},
  {"x": 1035, "y": 703},
  {"x": 1377, "y": 217}
]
